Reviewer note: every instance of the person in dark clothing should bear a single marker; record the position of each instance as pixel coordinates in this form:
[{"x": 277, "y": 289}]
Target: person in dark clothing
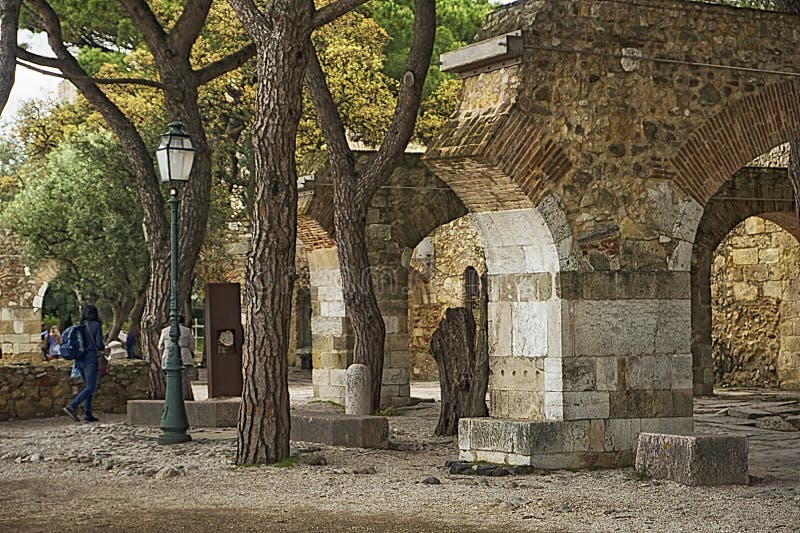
[
  {"x": 130, "y": 343},
  {"x": 87, "y": 366}
]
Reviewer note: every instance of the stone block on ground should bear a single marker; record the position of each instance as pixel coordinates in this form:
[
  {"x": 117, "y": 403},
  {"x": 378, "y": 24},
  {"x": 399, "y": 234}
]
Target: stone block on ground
[
  {"x": 693, "y": 459},
  {"x": 355, "y": 431},
  {"x": 221, "y": 412}
]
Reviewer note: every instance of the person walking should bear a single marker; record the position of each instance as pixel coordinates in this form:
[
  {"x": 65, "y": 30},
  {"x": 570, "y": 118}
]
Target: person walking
[
  {"x": 186, "y": 343},
  {"x": 87, "y": 365}
]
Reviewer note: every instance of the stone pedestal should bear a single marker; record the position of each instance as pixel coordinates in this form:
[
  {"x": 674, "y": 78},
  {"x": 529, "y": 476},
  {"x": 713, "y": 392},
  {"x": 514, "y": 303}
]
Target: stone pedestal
[
  {"x": 602, "y": 443},
  {"x": 357, "y": 391}
]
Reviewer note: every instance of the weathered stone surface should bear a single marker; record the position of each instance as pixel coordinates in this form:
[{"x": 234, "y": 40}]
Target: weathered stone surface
[
  {"x": 206, "y": 413},
  {"x": 775, "y": 423},
  {"x": 358, "y": 397},
  {"x": 340, "y": 430},
  {"x": 693, "y": 459},
  {"x": 41, "y": 390}
]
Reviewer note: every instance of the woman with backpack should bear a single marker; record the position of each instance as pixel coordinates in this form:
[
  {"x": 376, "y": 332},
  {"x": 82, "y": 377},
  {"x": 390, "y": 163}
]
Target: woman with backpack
[{"x": 87, "y": 365}]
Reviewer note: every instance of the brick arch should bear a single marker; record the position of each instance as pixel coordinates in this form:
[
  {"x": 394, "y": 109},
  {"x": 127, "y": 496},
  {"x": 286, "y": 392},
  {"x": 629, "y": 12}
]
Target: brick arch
[
  {"x": 743, "y": 130},
  {"x": 498, "y": 163},
  {"x": 765, "y": 192},
  {"x": 313, "y": 235}
]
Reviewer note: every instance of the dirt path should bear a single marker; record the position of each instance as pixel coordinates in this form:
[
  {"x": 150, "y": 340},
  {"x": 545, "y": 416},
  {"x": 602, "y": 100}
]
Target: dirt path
[{"x": 59, "y": 476}]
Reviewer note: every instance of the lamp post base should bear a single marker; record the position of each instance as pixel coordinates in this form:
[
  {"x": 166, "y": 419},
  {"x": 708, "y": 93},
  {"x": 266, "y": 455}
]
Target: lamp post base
[{"x": 168, "y": 437}]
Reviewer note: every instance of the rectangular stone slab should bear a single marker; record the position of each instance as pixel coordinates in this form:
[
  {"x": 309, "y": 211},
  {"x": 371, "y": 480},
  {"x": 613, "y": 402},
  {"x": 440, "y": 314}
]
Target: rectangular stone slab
[
  {"x": 693, "y": 459},
  {"x": 352, "y": 431},
  {"x": 327, "y": 428},
  {"x": 221, "y": 412}
]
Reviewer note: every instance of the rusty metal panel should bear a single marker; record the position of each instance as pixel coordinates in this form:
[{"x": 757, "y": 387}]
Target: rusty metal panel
[{"x": 224, "y": 337}]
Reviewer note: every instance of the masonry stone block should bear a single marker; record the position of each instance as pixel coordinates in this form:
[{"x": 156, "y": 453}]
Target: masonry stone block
[
  {"x": 586, "y": 405},
  {"x": 745, "y": 256},
  {"x": 395, "y": 376},
  {"x": 397, "y": 341},
  {"x": 607, "y": 373},
  {"x": 694, "y": 459},
  {"x": 615, "y": 327},
  {"x": 648, "y": 372},
  {"x": 535, "y": 286},
  {"x": 516, "y": 373},
  {"x": 553, "y": 374},
  {"x": 332, "y": 309},
  {"x": 578, "y": 374},
  {"x": 681, "y": 367},
  {"x": 526, "y": 405},
  {"x": 321, "y": 375},
  {"x": 500, "y": 328},
  {"x": 324, "y": 325},
  {"x": 622, "y": 433},
  {"x": 674, "y": 326},
  {"x": 530, "y": 328},
  {"x": 328, "y": 277},
  {"x": 330, "y": 393}
]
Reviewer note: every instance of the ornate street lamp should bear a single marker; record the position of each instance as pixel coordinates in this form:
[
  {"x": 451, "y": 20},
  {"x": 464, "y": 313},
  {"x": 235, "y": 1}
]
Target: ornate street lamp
[{"x": 175, "y": 155}]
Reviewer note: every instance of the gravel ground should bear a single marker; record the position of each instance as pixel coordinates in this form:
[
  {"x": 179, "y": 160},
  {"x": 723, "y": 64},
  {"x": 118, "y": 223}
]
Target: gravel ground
[{"x": 60, "y": 476}]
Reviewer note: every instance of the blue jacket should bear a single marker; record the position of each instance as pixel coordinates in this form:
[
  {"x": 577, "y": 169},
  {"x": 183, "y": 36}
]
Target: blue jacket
[{"x": 95, "y": 332}]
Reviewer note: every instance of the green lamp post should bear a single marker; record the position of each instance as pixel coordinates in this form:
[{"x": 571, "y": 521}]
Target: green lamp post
[{"x": 175, "y": 155}]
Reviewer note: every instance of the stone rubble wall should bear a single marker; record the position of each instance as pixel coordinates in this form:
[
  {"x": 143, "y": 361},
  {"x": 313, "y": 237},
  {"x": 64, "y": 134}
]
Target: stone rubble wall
[
  {"x": 755, "y": 282},
  {"x": 456, "y": 246},
  {"x": 41, "y": 390},
  {"x": 20, "y": 316}
]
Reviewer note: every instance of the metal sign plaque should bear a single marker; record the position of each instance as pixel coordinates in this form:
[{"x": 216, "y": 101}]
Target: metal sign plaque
[{"x": 224, "y": 337}]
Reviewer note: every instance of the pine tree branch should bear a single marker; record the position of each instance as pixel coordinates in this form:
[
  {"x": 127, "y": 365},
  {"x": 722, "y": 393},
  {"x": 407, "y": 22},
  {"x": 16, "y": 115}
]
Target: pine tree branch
[
  {"x": 334, "y": 10},
  {"x": 408, "y": 101},
  {"x": 182, "y": 36},
  {"x": 226, "y": 64},
  {"x": 328, "y": 118},
  {"x": 25, "y": 58}
]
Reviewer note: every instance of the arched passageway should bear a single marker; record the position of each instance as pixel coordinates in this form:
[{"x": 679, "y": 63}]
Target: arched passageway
[
  {"x": 751, "y": 191},
  {"x": 591, "y": 173}
]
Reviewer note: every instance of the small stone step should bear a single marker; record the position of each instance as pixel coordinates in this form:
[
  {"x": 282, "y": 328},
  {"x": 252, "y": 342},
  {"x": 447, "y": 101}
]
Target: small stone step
[{"x": 693, "y": 459}]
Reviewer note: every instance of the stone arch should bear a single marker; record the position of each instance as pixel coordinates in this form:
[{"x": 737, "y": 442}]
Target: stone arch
[
  {"x": 403, "y": 212},
  {"x": 524, "y": 315},
  {"x": 751, "y": 191},
  {"x": 743, "y": 130}
]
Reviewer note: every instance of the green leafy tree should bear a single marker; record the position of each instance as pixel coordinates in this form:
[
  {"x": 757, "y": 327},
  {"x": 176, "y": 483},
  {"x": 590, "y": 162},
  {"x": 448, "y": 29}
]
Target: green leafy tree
[{"x": 78, "y": 207}]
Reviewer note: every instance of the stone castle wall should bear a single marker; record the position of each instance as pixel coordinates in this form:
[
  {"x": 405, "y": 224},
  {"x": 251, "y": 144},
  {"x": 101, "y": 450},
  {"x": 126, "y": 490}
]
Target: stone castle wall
[
  {"x": 755, "y": 284},
  {"x": 437, "y": 283},
  {"x": 41, "y": 390}
]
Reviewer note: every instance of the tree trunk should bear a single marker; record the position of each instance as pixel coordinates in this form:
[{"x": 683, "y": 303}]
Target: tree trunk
[
  {"x": 154, "y": 318},
  {"x": 9, "y": 21},
  {"x": 119, "y": 311},
  {"x": 463, "y": 374},
  {"x": 369, "y": 330},
  {"x": 788, "y": 6},
  {"x": 353, "y": 190},
  {"x": 135, "y": 314},
  {"x": 282, "y": 38}
]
